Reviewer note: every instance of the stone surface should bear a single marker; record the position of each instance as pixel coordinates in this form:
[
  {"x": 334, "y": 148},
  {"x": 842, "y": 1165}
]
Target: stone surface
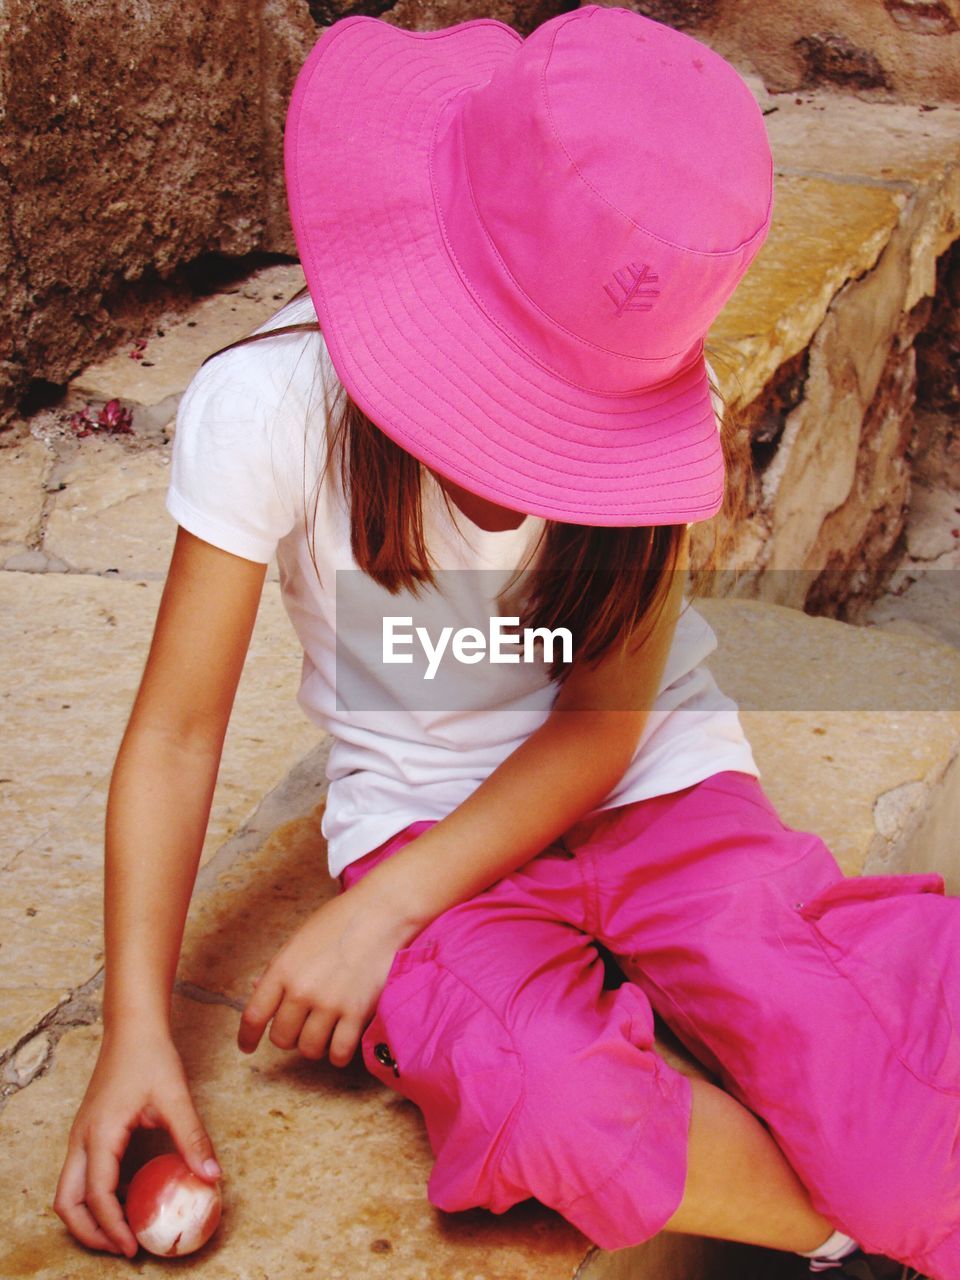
[
  {"x": 324, "y": 1173},
  {"x": 923, "y": 593},
  {"x": 936, "y": 458},
  {"x": 932, "y": 845},
  {"x": 823, "y": 234},
  {"x": 26, "y": 1003},
  {"x": 427, "y": 15},
  {"x": 844, "y": 171},
  {"x": 27, "y": 561},
  {"x": 938, "y": 348},
  {"x": 869, "y": 780},
  {"x": 832, "y": 348},
  {"x": 906, "y": 48},
  {"x": 840, "y": 717},
  {"x": 188, "y": 337},
  {"x": 889, "y": 143},
  {"x": 933, "y": 512},
  {"x": 24, "y": 463},
  {"x": 71, "y": 653},
  {"x": 28, "y": 1060},
  {"x": 923, "y": 600},
  {"x": 109, "y": 515},
  {"x": 136, "y": 144},
  {"x": 359, "y": 1209},
  {"x": 132, "y": 144}
]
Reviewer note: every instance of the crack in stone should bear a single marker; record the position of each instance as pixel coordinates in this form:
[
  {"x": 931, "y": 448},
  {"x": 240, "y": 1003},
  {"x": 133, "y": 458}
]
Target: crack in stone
[
  {"x": 77, "y": 1008},
  {"x": 849, "y": 179},
  {"x": 586, "y": 1263},
  {"x": 122, "y": 575},
  {"x": 47, "y": 832}
]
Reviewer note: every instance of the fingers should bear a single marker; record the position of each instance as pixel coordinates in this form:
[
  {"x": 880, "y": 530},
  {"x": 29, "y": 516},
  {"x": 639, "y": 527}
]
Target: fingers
[
  {"x": 345, "y": 1040},
  {"x": 270, "y": 1000},
  {"x": 316, "y": 1033},
  {"x": 70, "y": 1207},
  {"x": 298, "y": 1022},
  {"x": 296, "y": 1025},
  {"x": 189, "y": 1133},
  {"x": 258, "y": 1011},
  {"x": 103, "y": 1174}
]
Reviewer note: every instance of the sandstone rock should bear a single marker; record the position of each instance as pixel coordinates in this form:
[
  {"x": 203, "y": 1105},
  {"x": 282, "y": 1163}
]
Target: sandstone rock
[
  {"x": 685, "y": 15},
  {"x": 324, "y": 1173},
  {"x": 824, "y": 233},
  {"x": 830, "y": 133},
  {"x": 839, "y": 716},
  {"x": 938, "y": 348},
  {"x": 286, "y": 33},
  {"x": 832, "y": 433},
  {"x": 426, "y": 15},
  {"x": 928, "y": 600},
  {"x": 900, "y": 48},
  {"x": 936, "y": 450},
  {"x": 72, "y": 649},
  {"x": 26, "y": 560},
  {"x": 23, "y": 467},
  {"x": 933, "y": 512},
  {"x": 115, "y": 177},
  {"x": 188, "y": 337},
  {"x": 110, "y": 515},
  {"x": 28, "y": 1060},
  {"x": 895, "y": 812},
  {"x": 831, "y": 58}
]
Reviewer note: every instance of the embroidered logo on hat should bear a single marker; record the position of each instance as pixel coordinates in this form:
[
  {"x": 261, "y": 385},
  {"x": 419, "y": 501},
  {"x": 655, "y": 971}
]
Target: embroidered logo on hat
[{"x": 630, "y": 278}]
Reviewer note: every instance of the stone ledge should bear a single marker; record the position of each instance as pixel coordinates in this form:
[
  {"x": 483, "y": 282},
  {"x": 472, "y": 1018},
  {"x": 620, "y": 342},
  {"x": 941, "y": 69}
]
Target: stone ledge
[
  {"x": 848, "y": 173},
  {"x": 326, "y": 1169},
  {"x": 361, "y": 1207},
  {"x": 72, "y": 649}
]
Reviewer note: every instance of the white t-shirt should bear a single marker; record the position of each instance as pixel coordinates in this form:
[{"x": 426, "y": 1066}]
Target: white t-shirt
[{"x": 251, "y": 439}]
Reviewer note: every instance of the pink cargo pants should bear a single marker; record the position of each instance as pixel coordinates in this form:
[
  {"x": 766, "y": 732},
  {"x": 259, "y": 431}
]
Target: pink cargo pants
[{"x": 828, "y": 1006}]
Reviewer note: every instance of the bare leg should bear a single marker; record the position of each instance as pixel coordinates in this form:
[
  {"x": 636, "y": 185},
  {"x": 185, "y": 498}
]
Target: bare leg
[{"x": 739, "y": 1184}]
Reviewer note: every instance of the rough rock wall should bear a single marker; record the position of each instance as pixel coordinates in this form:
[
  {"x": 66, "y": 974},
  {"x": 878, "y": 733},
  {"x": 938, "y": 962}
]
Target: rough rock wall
[
  {"x": 903, "y": 49},
  {"x": 854, "y": 291},
  {"x": 134, "y": 142},
  {"x": 139, "y": 137}
]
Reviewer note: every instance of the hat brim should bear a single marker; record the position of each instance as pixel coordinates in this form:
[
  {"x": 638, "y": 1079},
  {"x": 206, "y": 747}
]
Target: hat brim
[{"x": 414, "y": 349}]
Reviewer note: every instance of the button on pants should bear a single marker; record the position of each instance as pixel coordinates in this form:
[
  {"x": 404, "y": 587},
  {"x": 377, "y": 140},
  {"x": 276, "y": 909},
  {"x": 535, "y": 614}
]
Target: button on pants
[{"x": 828, "y": 1006}]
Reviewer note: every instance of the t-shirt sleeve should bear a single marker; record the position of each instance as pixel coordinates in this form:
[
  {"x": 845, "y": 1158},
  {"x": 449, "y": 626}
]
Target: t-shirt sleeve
[{"x": 229, "y": 482}]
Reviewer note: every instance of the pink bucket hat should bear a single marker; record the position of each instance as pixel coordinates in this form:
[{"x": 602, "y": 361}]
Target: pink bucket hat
[{"x": 516, "y": 247}]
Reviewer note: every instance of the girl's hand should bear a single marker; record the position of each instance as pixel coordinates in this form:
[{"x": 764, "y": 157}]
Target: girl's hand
[
  {"x": 138, "y": 1082},
  {"x": 321, "y": 989}
]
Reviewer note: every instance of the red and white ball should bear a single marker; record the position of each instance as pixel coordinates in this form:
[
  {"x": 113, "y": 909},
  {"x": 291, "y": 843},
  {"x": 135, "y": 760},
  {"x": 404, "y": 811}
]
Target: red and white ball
[{"x": 170, "y": 1209}]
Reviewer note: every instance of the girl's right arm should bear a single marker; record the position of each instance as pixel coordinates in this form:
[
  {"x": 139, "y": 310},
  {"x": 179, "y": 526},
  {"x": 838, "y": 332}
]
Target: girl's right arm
[{"x": 157, "y": 813}]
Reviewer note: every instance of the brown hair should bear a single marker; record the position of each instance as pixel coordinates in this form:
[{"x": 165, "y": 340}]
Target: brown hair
[{"x": 604, "y": 583}]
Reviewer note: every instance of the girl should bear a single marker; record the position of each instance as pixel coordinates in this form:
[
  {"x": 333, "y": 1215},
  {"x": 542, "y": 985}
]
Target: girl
[{"x": 490, "y": 408}]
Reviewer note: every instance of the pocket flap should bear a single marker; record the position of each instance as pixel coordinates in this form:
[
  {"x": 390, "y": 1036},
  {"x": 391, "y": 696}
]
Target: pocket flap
[
  {"x": 896, "y": 939},
  {"x": 859, "y": 889}
]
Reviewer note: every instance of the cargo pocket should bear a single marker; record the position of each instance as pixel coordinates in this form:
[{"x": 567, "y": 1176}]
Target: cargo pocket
[
  {"x": 437, "y": 1042},
  {"x": 896, "y": 939},
  {"x": 408, "y": 973}
]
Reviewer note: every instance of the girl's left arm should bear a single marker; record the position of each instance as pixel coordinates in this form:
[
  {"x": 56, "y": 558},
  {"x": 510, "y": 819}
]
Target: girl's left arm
[{"x": 321, "y": 989}]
